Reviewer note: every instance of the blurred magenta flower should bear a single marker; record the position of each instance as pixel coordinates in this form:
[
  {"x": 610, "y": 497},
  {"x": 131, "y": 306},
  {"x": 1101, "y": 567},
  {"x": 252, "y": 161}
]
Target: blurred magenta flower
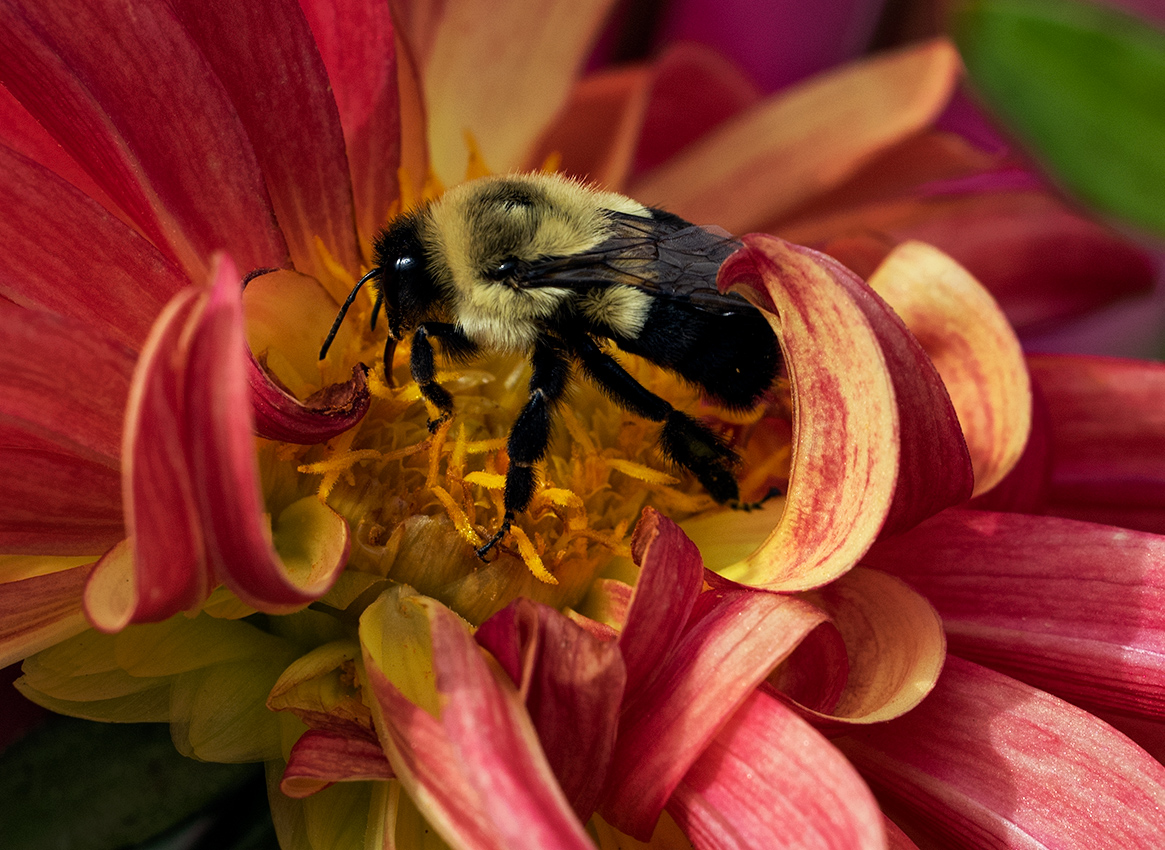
[{"x": 156, "y": 156}]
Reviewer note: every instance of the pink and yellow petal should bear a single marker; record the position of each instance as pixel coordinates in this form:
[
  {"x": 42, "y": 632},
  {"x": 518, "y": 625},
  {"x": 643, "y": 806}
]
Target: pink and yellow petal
[
  {"x": 986, "y": 760},
  {"x": 40, "y": 611},
  {"x": 1070, "y": 607},
  {"x": 769, "y": 780},
  {"x": 456, "y": 733},
  {"x": 804, "y": 141},
  {"x": 101, "y": 106},
  {"x": 320, "y": 758},
  {"x": 973, "y": 347}
]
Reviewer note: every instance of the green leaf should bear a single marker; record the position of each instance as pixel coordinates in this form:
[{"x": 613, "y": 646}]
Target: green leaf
[
  {"x": 99, "y": 786},
  {"x": 1083, "y": 87}
]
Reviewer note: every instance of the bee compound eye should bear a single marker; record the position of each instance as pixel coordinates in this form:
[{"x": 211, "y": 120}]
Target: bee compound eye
[
  {"x": 504, "y": 269},
  {"x": 405, "y": 263}
]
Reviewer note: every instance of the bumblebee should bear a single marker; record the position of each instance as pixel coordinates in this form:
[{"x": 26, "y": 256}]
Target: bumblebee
[{"x": 549, "y": 267}]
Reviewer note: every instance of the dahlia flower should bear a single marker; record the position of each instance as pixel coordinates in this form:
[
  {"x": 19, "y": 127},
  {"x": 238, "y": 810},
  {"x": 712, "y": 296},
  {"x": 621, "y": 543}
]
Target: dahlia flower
[{"x": 309, "y": 597}]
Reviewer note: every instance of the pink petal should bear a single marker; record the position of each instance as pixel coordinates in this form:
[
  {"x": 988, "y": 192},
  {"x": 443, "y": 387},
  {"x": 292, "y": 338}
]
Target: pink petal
[
  {"x": 671, "y": 575},
  {"x": 736, "y": 636},
  {"x": 767, "y": 161},
  {"x": 988, "y": 762},
  {"x": 975, "y": 350},
  {"x": 63, "y": 382},
  {"x": 102, "y": 106},
  {"x": 1073, "y": 608},
  {"x": 769, "y": 780},
  {"x": 221, "y": 453},
  {"x": 476, "y": 772},
  {"x": 1105, "y": 465},
  {"x": 38, "y": 612},
  {"x": 359, "y": 51},
  {"x": 504, "y": 98},
  {"x": 55, "y": 503},
  {"x": 265, "y": 57},
  {"x": 777, "y": 43},
  {"x": 318, "y": 759},
  {"x": 572, "y": 684},
  {"x": 65, "y": 254},
  {"x": 333, "y": 410}
]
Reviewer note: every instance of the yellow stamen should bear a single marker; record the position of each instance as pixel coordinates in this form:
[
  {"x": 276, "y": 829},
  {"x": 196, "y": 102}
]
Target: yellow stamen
[
  {"x": 460, "y": 520},
  {"x": 487, "y": 480},
  {"x": 638, "y": 470},
  {"x": 530, "y": 556}
]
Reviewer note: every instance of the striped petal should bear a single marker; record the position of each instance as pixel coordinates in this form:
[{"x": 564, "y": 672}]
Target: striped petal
[
  {"x": 41, "y": 611},
  {"x": 1070, "y": 607},
  {"x": 974, "y": 349},
  {"x": 804, "y": 141},
  {"x": 456, "y": 733},
  {"x": 986, "y": 761},
  {"x": 812, "y": 797},
  {"x": 267, "y": 61},
  {"x": 320, "y": 758},
  {"x": 101, "y": 105}
]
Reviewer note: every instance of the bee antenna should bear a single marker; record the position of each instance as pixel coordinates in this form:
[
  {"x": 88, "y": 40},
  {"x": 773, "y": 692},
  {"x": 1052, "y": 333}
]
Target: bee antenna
[{"x": 344, "y": 311}]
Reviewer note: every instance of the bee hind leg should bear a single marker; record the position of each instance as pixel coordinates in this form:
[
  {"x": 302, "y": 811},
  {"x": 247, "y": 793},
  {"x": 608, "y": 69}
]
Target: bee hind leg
[{"x": 530, "y": 435}]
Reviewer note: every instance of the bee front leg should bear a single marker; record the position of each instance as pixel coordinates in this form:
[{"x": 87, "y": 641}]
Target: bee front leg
[
  {"x": 423, "y": 365},
  {"x": 530, "y": 435}
]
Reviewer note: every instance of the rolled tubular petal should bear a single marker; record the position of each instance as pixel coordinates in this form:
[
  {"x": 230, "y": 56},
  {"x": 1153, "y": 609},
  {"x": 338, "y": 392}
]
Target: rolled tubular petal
[
  {"x": 222, "y": 463},
  {"x": 974, "y": 348},
  {"x": 41, "y": 611},
  {"x": 735, "y": 637},
  {"x": 769, "y": 780},
  {"x": 467, "y": 753},
  {"x": 264, "y": 55},
  {"x": 359, "y": 52},
  {"x": 845, "y": 417},
  {"x": 573, "y": 687},
  {"x": 320, "y": 758},
  {"x": 503, "y": 98},
  {"x": 1105, "y": 467},
  {"x": 804, "y": 141},
  {"x": 65, "y": 254},
  {"x": 101, "y": 105},
  {"x": 1073, "y": 608},
  {"x": 987, "y": 761},
  {"x": 281, "y": 416},
  {"x": 895, "y": 645}
]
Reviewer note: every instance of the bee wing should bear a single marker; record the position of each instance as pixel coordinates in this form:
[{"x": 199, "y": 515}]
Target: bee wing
[{"x": 665, "y": 256}]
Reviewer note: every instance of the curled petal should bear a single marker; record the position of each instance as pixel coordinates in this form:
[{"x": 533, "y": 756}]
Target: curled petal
[
  {"x": 456, "y": 733},
  {"x": 572, "y": 683},
  {"x": 264, "y": 55},
  {"x": 845, "y": 417},
  {"x": 805, "y": 140},
  {"x": 812, "y": 796},
  {"x": 66, "y": 254},
  {"x": 1074, "y": 608},
  {"x": 895, "y": 645},
  {"x": 319, "y": 758},
  {"x": 503, "y": 98},
  {"x": 281, "y": 416},
  {"x": 102, "y": 107},
  {"x": 41, "y": 611},
  {"x": 735, "y": 638},
  {"x": 987, "y": 761},
  {"x": 974, "y": 348}
]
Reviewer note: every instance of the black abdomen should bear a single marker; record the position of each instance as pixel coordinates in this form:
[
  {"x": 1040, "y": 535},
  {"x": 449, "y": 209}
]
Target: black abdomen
[{"x": 733, "y": 358}]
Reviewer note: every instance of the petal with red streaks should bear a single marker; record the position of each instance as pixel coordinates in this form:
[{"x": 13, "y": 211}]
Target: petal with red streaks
[
  {"x": 319, "y": 758},
  {"x": 41, "y": 611}
]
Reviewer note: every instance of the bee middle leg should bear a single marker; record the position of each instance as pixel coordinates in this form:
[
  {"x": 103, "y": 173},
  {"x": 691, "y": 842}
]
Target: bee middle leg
[
  {"x": 423, "y": 365},
  {"x": 684, "y": 440},
  {"x": 530, "y": 435}
]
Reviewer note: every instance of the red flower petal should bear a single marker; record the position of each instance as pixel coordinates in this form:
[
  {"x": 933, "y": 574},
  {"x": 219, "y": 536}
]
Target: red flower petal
[
  {"x": 65, "y": 254},
  {"x": 769, "y": 780},
  {"x": 1073, "y": 608},
  {"x": 476, "y": 771},
  {"x": 987, "y": 761},
  {"x": 359, "y": 51},
  {"x": 102, "y": 106},
  {"x": 318, "y": 759},
  {"x": 39, "y": 612},
  {"x": 1106, "y": 467},
  {"x": 966, "y": 335},
  {"x": 734, "y": 638},
  {"x": 333, "y": 410},
  {"x": 265, "y": 57},
  {"x": 573, "y": 688}
]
